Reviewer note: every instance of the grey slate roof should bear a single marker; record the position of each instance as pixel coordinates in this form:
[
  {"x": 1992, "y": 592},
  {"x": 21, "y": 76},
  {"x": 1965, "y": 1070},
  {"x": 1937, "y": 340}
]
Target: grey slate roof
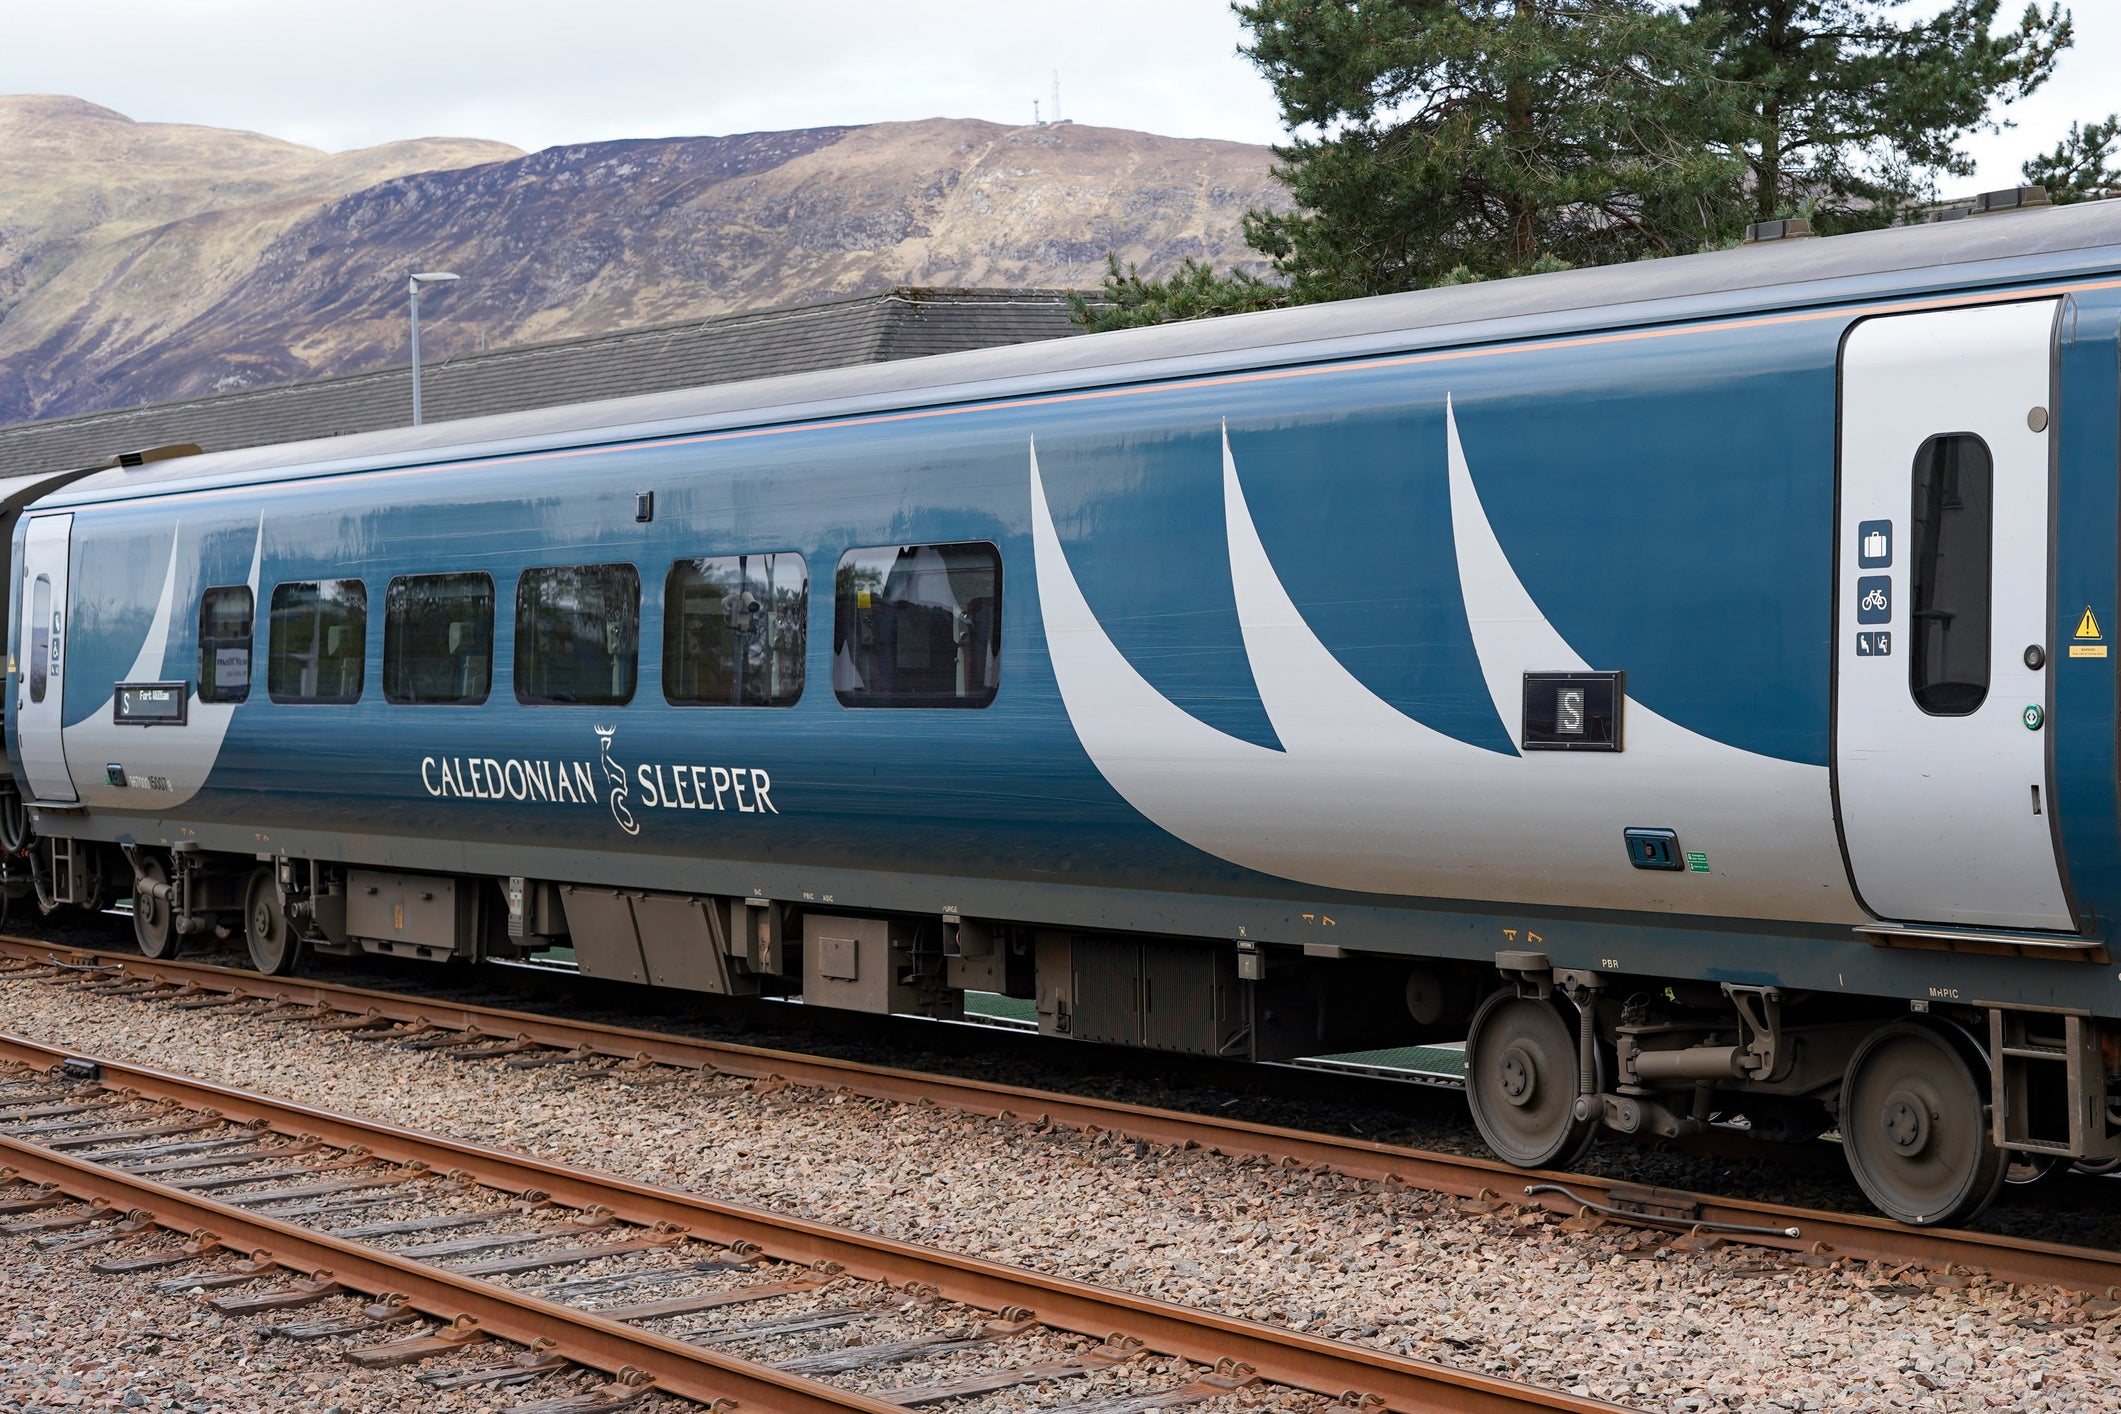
[{"x": 901, "y": 323}]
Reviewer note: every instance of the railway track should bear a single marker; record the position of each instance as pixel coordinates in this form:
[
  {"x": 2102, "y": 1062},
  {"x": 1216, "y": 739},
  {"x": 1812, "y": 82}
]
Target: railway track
[
  {"x": 441, "y": 1249},
  {"x": 1809, "y": 1235}
]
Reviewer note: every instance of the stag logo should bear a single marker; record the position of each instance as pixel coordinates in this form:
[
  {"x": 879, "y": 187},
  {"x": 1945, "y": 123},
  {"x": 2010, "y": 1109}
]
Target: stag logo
[{"x": 615, "y": 776}]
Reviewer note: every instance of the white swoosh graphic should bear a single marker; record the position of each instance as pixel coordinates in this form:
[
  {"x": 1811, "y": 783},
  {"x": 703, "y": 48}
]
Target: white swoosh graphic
[
  {"x": 182, "y": 756},
  {"x": 1366, "y": 799}
]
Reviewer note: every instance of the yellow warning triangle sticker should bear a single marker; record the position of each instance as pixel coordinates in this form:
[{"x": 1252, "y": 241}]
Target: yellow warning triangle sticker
[{"x": 2088, "y": 626}]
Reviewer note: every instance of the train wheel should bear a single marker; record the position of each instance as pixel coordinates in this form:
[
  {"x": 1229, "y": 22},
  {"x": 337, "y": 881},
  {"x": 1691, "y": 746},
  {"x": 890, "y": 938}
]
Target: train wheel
[
  {"x": 1914, "y": 1123},
  {"x": 1521, "y": 1082},
  {"x": 273, "y": 945},
  {"x": 154, "y": 924},
  {"x": 2035, "y": 1170}
]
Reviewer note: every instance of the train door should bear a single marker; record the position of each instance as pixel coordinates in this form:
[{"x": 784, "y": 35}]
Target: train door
[
  {"x": 43, "y": 666},
  {"x": 1941, "y": 618}
]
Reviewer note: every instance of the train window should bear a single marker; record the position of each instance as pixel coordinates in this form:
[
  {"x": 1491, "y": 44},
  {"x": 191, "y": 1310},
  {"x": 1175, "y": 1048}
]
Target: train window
[
  {"x": 438, "y": 638},
  {"x": 317, "y": 646},
  {"x": 40, "y": 637},
  {"x": 735, "y": 628},
  {"x": 578, "y": 634},
  {"x": 1953, "y": 525},
  {"x": 917, "y": 626},
  {"x": 224, "y": 644}
]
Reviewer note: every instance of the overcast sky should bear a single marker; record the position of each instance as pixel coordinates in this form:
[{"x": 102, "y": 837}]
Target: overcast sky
[{"x": 541, "y": 72}]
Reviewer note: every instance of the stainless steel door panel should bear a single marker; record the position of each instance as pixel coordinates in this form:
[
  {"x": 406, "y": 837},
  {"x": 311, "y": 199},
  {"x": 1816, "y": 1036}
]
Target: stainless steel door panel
[
  {"x": 1945, "y": 812},
  {"x": 39, "y": 685}
]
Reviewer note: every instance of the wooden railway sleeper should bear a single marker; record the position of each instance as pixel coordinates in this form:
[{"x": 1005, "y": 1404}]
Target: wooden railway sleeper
[
  {"x": 201, "y": 1244},
  {"x": 716, "y": 1300},
  {"x": 218, "y": 999},
  {"x": 412, "y": 1349},
  {"x": 392, "y": 1032},
  {"x": 515, "y": 1046},
  {"x": 531, "y": 1362},
  {"x": 920, "y": 1347},
  {"x": 630, "y": 1387},
  {"x": 551, "y": 1056},
  {"x": 1117, "y": 1350},
  {"x": 306, "y": 1292},
  {"x": 260, "y": 1266},
  {"x": 208, "y": 1120},
  {"x": 388, "y": 1309},
  {"x": 98, "y": 1210},
  {"x": 1227, "y": 1377},
  {"x": 222, "y": 1158},
  {"x": 369, "y": 1020},
  {"x": 451, "y": 1040},
  {"x": 44, "y": 1198},
  {"x": 1356, "y": 1403},
  {"x": 1649, "y": 1216},
  {"x": 510, "y": 1266},
  {"x": 136, "y": 1223},
  {"x": 53, "y": 1111}
]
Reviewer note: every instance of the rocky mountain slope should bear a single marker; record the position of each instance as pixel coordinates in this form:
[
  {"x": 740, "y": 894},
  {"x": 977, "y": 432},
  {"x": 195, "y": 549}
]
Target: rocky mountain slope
[{"x": 141, "y": 262}]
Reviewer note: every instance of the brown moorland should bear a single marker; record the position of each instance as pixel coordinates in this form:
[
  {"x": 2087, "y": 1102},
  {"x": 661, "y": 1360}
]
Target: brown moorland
[{"x": 145, "y": 261}]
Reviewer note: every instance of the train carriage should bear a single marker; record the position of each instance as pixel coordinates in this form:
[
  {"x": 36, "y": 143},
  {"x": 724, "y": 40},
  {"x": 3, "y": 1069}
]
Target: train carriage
[{"x": 1688, "y": 682}]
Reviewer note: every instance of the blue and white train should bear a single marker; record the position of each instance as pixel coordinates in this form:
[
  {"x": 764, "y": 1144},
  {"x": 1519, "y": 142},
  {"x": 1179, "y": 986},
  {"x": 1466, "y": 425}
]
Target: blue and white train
[{"x": 1690, "y": 682}]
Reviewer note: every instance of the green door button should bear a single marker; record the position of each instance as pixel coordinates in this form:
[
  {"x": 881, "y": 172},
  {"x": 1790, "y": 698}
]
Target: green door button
[{"x": 2034, "y": 717}]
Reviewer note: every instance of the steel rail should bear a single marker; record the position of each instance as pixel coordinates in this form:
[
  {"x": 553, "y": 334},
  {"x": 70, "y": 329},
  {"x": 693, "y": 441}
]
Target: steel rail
[
  {"x": 1278, "y": 1356},
  {"x": 1850, "y": 1235},
  {"x": 580, "y": 1336}
]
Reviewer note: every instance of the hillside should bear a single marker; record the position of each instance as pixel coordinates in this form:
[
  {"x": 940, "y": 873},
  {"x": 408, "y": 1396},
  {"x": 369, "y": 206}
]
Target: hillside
[{"x": 142, "y": 262}]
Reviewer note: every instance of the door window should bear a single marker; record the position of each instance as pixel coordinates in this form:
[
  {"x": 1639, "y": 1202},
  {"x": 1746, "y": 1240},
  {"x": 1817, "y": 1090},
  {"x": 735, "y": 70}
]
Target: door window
[
  {"x": 224, "y": 644},
  {"x": 40, "y": 637},
  {"x": 1954, "y": 531}
]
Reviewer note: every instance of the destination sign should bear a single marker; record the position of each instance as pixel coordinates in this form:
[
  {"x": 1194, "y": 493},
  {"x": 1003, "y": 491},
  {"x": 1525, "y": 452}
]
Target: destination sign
[{"x": 150, "y": 704}]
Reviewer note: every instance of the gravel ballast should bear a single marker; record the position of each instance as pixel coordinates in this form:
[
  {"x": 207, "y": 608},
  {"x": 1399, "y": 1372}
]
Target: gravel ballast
[{"x": 1611, "y": 1313}]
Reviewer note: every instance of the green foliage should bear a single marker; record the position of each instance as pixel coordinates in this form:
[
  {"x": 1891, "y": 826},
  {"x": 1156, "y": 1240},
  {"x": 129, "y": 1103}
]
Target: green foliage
[
  {"x": 1195, "y": 292},
  {"x": 2083, "y": 165},
  {"x": 1852, "y": 110},
  {"x": 1434, "y": 135},
  {"x": 1450, "y": 141}
]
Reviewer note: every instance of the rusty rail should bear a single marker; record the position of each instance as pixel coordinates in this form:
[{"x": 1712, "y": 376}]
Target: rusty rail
[
  {"x": 1279, "y": 1357},
  {"x": 1810, "y": 1231}
]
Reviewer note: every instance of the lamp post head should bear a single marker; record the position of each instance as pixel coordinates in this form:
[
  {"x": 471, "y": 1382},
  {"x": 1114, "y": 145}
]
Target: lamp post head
[{"x": 428, "y": 277}]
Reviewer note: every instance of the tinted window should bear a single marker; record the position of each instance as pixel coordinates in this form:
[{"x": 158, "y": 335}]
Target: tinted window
[
  {"x": 317, "y": 646},
  {"x": 438, "y": 638},
  {"x": 1954, "y": 523},
  {"x": 578, "y": 634},
  {"x": 917, "y": 626},
  {"x": 40, "y": 637},
  {"x": 734, "y": 630},
  {"x": 224, "y": 644}
]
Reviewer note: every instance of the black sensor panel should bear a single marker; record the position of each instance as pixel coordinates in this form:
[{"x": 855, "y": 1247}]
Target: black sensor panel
[{"x": 1573, "y": 711}]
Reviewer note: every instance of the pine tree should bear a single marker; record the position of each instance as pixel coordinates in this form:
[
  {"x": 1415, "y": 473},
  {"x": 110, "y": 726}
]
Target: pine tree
[
  {"x": 1484, "y": 136},
  {"x": 2084, "y": 166},
  {"x": 1853, "y": 110}
]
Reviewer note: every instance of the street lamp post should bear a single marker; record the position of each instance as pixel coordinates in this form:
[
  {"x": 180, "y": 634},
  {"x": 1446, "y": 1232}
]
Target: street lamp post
[{"x": 428, "y": 277}]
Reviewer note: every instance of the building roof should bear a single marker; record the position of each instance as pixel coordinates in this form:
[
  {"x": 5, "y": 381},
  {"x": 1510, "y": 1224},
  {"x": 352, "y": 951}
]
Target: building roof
[{"x": 898, "y": 324}]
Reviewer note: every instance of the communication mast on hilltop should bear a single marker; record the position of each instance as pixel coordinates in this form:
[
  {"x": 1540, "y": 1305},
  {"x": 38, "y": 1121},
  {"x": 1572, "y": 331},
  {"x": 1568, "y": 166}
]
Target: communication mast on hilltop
[{"x": 1038, "y": 121}]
